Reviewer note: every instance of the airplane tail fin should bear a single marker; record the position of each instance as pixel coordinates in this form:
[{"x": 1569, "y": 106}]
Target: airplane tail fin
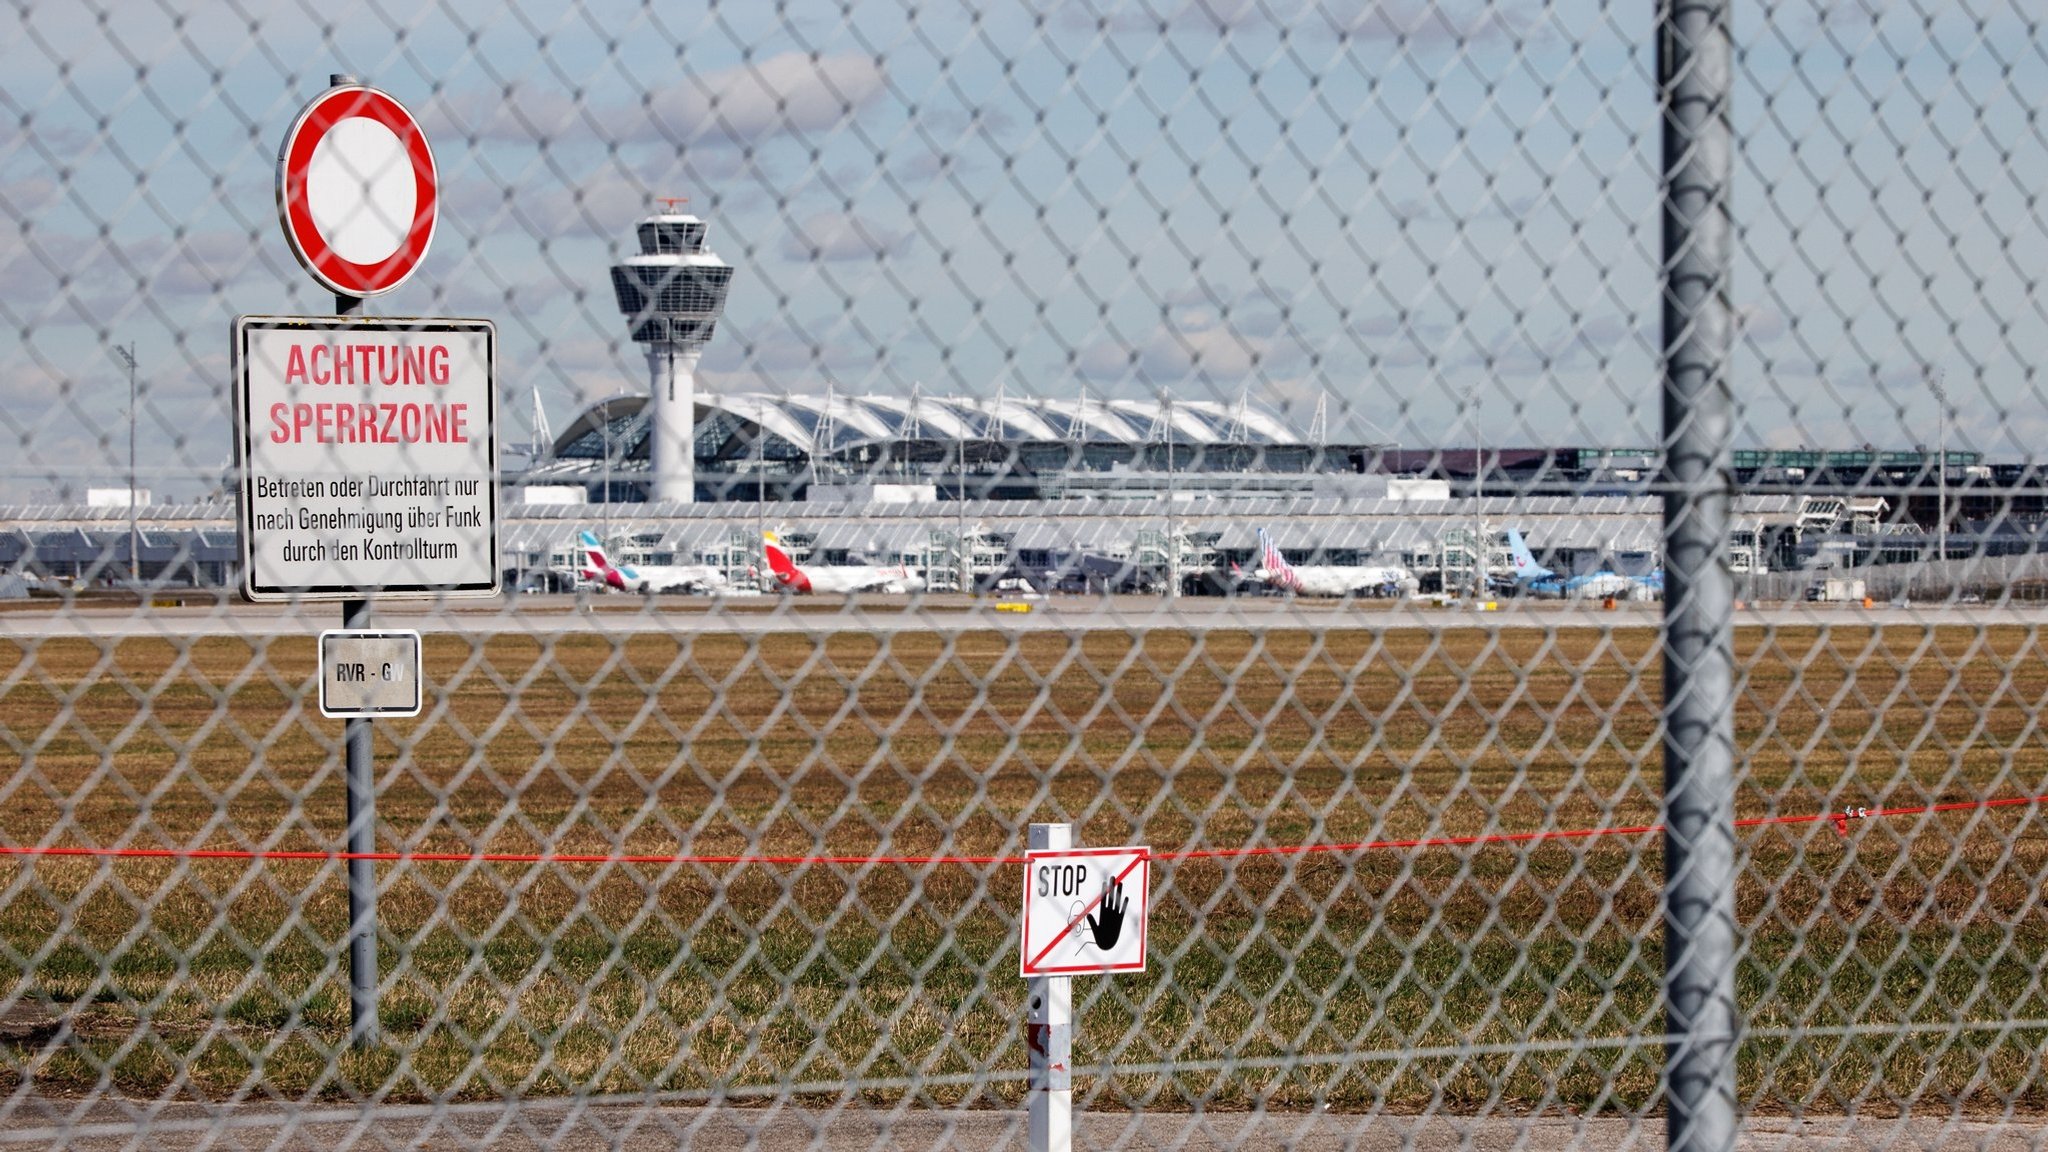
[
  {"x": 1270, "y": 556},
  {"x": 778, "y": 560},
  {"x": 598, "y": 567},
  {"x": 594, "y": 552},
  {"x": 1526, "y": 567},
  {"x": 1273, "y": 565}
]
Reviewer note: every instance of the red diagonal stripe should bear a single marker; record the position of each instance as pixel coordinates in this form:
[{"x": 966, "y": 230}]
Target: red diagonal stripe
[{"x": 1062, "y": 934}]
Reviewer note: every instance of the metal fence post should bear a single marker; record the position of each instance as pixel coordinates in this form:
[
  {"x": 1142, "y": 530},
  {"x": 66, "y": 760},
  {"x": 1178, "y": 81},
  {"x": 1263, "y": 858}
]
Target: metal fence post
[
  {"x": 1694, "y": 75},
  {"x": 1049, "y": 1036},
  {"x": 362, "y": 872}
]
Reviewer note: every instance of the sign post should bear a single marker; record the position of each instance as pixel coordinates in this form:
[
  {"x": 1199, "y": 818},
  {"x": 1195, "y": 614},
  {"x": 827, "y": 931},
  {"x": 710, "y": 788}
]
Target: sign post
[
  {"x": 1086, "y": 910},
  {"x": 362, "y": 871},
  {"x": 1049, "y": 1028},
  {"x": 367, "y": 449}
]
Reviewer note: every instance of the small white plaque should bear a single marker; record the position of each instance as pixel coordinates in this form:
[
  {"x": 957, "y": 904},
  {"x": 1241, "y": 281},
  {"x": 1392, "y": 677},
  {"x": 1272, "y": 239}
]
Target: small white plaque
[{"x": 369, "y": 673}]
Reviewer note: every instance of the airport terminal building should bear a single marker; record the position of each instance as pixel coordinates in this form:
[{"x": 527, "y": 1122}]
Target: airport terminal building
[
  {"x": 1086, "y": 492},
  {"x": 1123, "y": 495},
  {"x": 1099, "y": 495}
]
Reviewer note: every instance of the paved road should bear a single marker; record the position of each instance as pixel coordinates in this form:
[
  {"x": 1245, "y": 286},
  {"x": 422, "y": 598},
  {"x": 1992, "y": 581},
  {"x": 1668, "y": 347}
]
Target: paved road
[
  {"x": 551, "y": 1125},
  {"x": 559, "y": 615}
]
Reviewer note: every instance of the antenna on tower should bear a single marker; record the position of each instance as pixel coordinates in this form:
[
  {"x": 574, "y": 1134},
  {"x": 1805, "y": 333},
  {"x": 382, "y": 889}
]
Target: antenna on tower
[
  {"x": 1319, "y": 424},
  {"x": 671, "y": 201}
]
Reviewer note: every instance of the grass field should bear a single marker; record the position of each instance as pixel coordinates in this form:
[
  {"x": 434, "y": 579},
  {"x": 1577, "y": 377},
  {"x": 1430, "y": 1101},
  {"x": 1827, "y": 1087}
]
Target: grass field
[{"x": 694, "y": 978}]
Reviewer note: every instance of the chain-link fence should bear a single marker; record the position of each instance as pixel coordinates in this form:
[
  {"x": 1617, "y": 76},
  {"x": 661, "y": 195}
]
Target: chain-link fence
[{"x": 1526, "y": 512}]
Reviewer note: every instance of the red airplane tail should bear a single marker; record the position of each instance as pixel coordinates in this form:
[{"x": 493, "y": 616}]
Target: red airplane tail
[{"x": 778, "y": 560}]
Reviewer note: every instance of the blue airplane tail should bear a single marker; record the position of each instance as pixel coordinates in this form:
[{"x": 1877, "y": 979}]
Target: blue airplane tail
[{"x": 1526, "y": 567}]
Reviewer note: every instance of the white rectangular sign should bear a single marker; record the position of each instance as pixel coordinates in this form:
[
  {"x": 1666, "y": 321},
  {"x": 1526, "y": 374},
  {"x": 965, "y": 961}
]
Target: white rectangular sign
[
  {"x": 1085, "y": 910},
  {"x": 364, "y": 673},
  {"x": 368, "y": 456}
]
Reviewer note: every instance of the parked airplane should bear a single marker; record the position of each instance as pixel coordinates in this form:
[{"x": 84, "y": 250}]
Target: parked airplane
[
  {"x": 1536, "y": 580},
  {"x": 650, "y": 578},
  {"x": 844, "y": 578},
  {"x": 1329, "y": 579}
]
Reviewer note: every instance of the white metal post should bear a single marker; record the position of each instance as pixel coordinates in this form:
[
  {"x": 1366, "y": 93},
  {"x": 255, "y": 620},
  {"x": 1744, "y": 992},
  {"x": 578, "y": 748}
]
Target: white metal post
[{"x": 1049, "y": 1036}]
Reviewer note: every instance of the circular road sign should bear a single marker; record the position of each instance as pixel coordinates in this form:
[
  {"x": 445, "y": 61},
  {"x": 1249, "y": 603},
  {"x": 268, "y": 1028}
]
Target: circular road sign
[{"x": 357, "y": 190}]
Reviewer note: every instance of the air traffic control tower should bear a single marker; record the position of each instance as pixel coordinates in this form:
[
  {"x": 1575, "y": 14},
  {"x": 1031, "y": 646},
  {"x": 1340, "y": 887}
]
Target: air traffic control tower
[{"x": 672, "y": 294}]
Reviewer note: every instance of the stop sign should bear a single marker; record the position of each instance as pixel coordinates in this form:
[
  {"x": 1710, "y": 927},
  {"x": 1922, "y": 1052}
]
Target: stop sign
[{"x": 357, "y": 190}]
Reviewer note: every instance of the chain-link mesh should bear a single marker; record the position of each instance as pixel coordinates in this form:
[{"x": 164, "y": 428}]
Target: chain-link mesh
[{"x": 1257, "y": 432}]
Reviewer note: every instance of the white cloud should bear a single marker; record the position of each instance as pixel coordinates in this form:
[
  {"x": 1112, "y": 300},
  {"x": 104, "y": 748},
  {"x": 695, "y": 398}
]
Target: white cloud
[
  {"x": 24, "y": 197},
  {"x": 203, "y": 263},
  {"x": 1844, "y": 16},
  {"x": 603, "y": 202},
  {"x": 835, "y": 236},
  {"x": 929, "y": 165},
  {"x": 743, "y": 104},
  {"x": 1761, "y": 324},
  {"x": 484, "y": 294},
  {"x": 517, "y": 112},
  {"x": 605, "y": 206},
  {"x": 782, "y": 359},
  {"x": 790, "y": 92},
  {"x": 1412, "y": 22},
  {"x": 1381, "y": 326},
  {"x": 1195, "y": 345},
  {"x": 60, "y": 278}
]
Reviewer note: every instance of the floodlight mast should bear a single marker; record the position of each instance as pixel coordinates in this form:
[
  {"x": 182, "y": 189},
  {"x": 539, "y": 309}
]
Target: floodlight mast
[
  {"x": 672, "y": 294},
  {"x": 127, "y": 357},
  {"x": 1172, "y": 526},
  {"x": 1479, "y": 544},
  {"x": 1941, "y": 481}
]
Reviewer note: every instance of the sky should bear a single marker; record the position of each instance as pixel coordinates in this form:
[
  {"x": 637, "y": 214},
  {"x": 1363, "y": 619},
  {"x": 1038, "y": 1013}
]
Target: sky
[{"x": 1440, "y": 220}]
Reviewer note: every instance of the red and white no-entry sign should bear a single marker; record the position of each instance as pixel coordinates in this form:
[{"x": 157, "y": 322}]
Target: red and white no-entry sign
[{"x": 357, "y": 190}]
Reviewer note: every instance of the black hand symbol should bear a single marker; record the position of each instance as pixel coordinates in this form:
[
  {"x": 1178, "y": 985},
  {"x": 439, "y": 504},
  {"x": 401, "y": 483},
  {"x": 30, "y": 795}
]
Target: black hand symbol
[{"x": 1111, "y": 925}]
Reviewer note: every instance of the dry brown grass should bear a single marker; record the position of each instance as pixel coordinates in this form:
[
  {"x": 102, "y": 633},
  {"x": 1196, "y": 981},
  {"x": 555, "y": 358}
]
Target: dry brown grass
[{"x": 685, "y": 977}]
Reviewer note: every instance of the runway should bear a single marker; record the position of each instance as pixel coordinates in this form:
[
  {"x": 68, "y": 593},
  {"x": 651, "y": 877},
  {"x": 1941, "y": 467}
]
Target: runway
[{"x": 608, "y": 615}]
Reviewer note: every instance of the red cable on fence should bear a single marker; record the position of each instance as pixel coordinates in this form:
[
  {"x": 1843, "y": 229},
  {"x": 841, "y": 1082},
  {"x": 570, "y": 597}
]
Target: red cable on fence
[{"x": 1839, "y": 819}]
